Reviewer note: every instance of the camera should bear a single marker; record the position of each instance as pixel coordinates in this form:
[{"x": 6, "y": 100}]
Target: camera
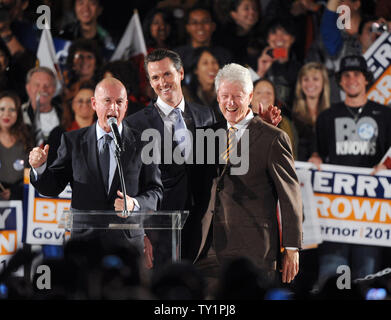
[
  {"x": 379, "y": 27},
  {"x": 278, "y": 53}
]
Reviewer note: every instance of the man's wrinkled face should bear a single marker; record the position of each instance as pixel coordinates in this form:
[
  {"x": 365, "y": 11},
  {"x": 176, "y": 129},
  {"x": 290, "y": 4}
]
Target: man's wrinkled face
[
  {"x": 41, "y": 84},
  {"x": 110, "y": 100},
  {"x": 233, "y": 101}
]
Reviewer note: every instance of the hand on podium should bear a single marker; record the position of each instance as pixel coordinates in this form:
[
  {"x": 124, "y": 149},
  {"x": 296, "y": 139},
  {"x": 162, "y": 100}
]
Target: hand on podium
[{"x": 119, "y": 202}]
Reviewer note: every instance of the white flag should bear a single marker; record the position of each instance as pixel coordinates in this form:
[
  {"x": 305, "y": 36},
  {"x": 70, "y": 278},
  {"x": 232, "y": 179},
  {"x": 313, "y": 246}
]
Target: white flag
[
  {"x": 46, "y": 55},
  {"x": 132, "y": 42},
  {"x": 254, "y": 75}
]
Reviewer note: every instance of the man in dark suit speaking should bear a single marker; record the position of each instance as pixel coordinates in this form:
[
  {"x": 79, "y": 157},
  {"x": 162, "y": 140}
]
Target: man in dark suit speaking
[
  {"x": 241, "y": 220},
  {"x": 80, "y": 161},
  {"x": 168, "y": 112}
]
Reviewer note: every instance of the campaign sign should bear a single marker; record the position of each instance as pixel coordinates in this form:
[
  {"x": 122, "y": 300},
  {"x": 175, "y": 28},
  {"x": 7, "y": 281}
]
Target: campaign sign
[
  {"x": 378, "y": 58},
  {"x": 352, "y": 205},
  {"x": 311, "y": 226},
  {"x": 44, "y": 215},
  {"x": 11, "y": 220}
]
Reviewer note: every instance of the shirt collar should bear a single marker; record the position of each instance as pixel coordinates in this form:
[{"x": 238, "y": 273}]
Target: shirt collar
[
  {"x": 100, "y": 132},
  {"x": 244, "y": 122},
  {"x": 166, "y": 109}
]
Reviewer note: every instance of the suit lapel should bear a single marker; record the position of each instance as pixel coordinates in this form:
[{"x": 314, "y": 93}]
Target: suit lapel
[
  {"x": 90, "y": 152},
  {"x": 255, "y": 129},
  {"x": 190, "y": 120},
  {"x": 154, "y": 119}
]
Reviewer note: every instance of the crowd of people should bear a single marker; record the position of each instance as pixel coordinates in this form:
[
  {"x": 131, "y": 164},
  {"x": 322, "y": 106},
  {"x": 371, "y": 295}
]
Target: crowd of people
[{"x": 300, "y": 61}]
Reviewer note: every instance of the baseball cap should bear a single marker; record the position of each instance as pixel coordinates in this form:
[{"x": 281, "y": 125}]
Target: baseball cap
[{"x": 354, "y": 62}]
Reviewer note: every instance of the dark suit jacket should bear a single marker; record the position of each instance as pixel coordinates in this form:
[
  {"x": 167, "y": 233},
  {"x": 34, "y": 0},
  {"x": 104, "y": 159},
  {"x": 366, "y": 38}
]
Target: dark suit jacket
[
  {"x": 242, "y": 208},
  {"x": 180, "y": 181},
  {"x": 77, "y": 164}
]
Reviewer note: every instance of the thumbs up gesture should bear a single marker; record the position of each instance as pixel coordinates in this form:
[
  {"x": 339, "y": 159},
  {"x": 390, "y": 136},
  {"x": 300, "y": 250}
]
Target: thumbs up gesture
[{"x": 38, "y": 156}]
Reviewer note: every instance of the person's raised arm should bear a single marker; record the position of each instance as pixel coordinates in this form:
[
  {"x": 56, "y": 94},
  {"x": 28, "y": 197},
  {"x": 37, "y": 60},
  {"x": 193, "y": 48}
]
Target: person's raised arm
[
  {"x": 331, "y": 35},
  {"x": 38, "y": 156}
]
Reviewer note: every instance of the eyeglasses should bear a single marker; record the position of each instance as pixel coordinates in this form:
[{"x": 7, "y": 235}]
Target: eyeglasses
[{"x": 84, "y": 56}]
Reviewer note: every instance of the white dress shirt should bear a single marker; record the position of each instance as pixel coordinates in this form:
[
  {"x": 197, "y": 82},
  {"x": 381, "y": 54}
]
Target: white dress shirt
[{"x": 165, "y": 110}]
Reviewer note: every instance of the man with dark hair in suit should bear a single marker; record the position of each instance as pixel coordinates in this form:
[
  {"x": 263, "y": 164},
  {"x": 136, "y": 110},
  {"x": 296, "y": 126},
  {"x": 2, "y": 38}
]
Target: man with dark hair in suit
[
  {"x": 242, "y": 210},
  {"x": 165, "y": 72},
  {"x": 79, "y": 162}
]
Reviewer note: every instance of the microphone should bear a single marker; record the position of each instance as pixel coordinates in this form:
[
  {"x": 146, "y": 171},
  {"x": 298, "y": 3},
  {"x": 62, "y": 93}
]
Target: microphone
[{"x": 112, "y": 123}]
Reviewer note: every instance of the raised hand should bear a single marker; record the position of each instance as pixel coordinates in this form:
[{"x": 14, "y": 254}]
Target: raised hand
[
  {"x": 264, "y": 62},
  {"x": 38, "y": 156},
  {"x": 272, "y": 115}
]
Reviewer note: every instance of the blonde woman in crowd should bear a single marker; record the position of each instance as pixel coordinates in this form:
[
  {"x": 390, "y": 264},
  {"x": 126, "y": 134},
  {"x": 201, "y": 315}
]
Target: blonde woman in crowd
[{"x": 312, "y": 96}]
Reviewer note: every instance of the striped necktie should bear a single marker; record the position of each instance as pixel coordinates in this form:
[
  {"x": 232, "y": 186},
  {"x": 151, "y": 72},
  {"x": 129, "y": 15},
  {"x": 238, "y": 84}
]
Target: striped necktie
[{"x": 231, "y": 143}]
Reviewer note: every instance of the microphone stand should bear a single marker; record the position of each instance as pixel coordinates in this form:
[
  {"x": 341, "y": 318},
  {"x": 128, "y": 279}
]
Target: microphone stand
[
  {"x": 117, "y": 155},
  {"x": 39, "y": 138}
]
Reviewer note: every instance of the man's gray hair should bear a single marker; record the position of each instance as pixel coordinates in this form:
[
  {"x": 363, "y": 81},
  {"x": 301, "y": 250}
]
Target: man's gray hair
[
  {"x": 41, "y": 69},
  {"x": 234, "y": 72}
]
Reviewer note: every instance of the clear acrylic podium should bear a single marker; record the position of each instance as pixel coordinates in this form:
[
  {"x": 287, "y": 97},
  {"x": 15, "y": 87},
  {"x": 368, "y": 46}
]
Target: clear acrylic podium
[{"x": 168, "y": 223}]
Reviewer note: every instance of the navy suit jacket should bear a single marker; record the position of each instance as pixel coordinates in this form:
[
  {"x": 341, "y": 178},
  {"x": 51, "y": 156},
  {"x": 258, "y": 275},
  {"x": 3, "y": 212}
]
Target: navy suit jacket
[
  {"x": 175, "y": 177},
  {"x": 77, "y": 163},
  {"x": 181, "y": 182}
]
